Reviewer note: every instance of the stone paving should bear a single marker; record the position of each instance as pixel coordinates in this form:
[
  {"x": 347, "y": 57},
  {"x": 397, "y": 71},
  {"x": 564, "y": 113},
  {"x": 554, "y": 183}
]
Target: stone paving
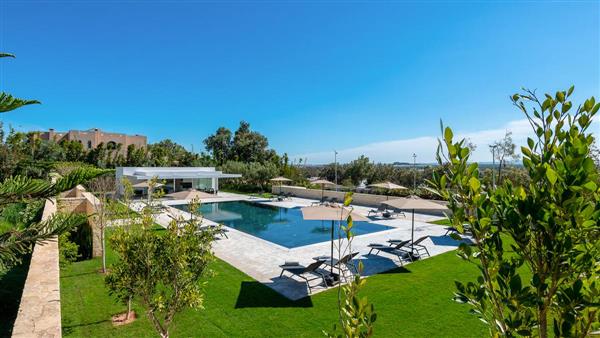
[{"x": 260, "y": 259}]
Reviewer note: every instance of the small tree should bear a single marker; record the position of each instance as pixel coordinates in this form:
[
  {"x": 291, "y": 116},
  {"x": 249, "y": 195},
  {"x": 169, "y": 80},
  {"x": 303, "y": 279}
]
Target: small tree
[
  {"x": 103, "y": 188},
  {"x": 355, "y": 315},
  {"x": 550, "y": 225},
  {"x": 502, "y": 150},
  {"x": 163, "y": 269}
]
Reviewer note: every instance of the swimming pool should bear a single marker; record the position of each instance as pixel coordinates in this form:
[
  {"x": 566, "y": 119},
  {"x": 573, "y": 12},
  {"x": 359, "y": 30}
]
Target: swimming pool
[{"x": 282, "y": 226}]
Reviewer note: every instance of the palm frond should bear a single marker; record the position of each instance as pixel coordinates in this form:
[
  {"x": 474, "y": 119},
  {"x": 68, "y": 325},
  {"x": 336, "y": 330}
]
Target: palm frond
[
  {"x": 17, "y": 242},
  {"x": 9, "y": 102},
  {"x": 19, "y": 188},
  {"x": 79, "y": 176}
]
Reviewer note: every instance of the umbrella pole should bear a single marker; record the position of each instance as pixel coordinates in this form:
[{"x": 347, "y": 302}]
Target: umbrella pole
[
  {"x": 412, "y": 235},
  {"x": 331, "y": 265},
  {"x": 322, "y": 192}
]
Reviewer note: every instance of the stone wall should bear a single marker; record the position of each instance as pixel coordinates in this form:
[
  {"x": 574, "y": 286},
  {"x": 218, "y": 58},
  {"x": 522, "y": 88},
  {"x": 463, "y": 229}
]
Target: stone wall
[
  {"x": 80, "y": 201},
  {"x": 369, "y": 200},
  {"x": 39, "y": 311}
]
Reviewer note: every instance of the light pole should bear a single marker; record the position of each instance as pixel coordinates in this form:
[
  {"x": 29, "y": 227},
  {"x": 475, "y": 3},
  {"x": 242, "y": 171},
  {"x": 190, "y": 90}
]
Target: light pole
[
  {"x": 414, "y": 173},
  {"x": 335, "y": 164}
]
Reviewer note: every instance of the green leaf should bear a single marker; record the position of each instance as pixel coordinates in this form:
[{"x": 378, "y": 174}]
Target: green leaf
[
  {"x": 474, "y": 184},
  {"x": 591, "y": 186},
  {"x": 551, "y": 175},
  {"x": 448, "y": 135},
  {"x": 455, "y": 236},
  {"x": 347, "y": 199}
]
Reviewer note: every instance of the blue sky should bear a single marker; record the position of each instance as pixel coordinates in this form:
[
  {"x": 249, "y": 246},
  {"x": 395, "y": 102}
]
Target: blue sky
[{"x": 359, "y": 77}]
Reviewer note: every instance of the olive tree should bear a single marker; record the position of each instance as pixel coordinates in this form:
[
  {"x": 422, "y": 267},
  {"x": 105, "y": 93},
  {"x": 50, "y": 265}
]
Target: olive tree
[
  {"x": 164, "y": 269},
  {"x": 536, "y": 245}
]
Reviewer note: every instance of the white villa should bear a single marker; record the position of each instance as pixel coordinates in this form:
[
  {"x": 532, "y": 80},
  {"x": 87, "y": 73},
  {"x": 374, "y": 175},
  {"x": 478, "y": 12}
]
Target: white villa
[{"x": 175, "y": 178}]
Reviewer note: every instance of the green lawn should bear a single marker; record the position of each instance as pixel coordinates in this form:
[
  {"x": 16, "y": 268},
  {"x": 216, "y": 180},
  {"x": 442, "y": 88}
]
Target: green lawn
[
  {"x": 411, "y": 302},
  {"x": 444, "y": 221},
  {"x": 120, "y": 209}
]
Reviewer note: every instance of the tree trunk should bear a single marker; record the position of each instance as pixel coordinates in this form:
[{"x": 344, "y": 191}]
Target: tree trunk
[
  {"x": 128, "y": 308},
  {"x": 103, "y": 249},
  {"x": 499, "y": 171},
  {"x": 543, "y": 322}
]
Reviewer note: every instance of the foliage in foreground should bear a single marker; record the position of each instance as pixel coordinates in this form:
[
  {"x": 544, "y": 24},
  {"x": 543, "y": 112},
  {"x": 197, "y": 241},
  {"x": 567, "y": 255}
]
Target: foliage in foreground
[
  {"x": 356, "y": 316},
  {"x": 552, "y": 225},
  {"x": 163, "y": 270}
]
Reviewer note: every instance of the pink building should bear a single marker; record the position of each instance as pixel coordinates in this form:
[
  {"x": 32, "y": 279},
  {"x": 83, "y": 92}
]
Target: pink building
[{"x": 93, "y": 137}]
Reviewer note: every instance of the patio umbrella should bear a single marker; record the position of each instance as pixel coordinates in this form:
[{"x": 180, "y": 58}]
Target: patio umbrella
[
  {"x": 387, "y": 185},
  {"x": 412, "y": 203},
  {"x": 189, "y": 195},
  {"x": 146, "y": 185},
  {"x": 330, "y": 213},
  {"x": 322, "y": 183},
  {"x": 280, "y": 179}
]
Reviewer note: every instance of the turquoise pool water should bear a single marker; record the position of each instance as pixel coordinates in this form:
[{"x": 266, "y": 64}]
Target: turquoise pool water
[{"x": 281, "y": 226}]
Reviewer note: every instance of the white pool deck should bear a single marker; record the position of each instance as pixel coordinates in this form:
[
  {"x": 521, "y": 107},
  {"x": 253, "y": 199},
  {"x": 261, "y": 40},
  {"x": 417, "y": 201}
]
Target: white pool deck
[{"x": 260, "y": 259}]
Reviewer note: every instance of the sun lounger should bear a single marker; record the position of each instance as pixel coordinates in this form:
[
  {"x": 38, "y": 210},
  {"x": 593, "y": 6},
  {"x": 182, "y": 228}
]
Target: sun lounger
[
  {"x": 398, "y": 213},
  {"x": 398, "y": 249},
  {"x": 343, "y": 265},
  {"x": 451, "y": 229},
  {"x": 380, "y": 210},
  {"x": 416, "y": 245},
  {"x": 304, "y": 272},
  {"x": 217, "y": 230}
]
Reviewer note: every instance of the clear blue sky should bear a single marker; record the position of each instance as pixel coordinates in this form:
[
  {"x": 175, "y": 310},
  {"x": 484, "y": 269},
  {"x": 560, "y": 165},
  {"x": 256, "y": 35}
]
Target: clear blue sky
[{"x": 311, "y": 76}]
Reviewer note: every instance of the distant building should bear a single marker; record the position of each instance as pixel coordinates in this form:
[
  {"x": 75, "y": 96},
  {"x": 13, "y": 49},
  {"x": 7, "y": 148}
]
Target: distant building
[
  {"x": 174, "y": 178},
  {"x": 93, "y": 137}
]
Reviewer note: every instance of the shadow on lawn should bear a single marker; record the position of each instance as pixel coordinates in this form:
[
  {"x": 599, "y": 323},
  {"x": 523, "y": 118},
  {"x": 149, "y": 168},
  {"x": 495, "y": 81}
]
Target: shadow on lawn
[
  {"x": 396, "y": 270},
  {"x": 255, "y": 294},
  {"x": 78, "y": 274},
  {"x": 68, "y": 329},
  {"x": 448, "y": 241}
]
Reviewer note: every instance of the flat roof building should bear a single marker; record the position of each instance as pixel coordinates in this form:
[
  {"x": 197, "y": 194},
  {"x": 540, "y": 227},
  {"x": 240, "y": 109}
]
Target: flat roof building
[
  {"x": 175, "y": 178},
  {"x": 91, "y": 138}
]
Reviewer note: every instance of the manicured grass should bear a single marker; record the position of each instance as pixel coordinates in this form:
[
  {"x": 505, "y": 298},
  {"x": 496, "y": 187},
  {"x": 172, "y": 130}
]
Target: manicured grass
[
  {"x": 120, "y": 209},
  {"x": 444, "y": 221},
  {"x": 411, "y": 302}
]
